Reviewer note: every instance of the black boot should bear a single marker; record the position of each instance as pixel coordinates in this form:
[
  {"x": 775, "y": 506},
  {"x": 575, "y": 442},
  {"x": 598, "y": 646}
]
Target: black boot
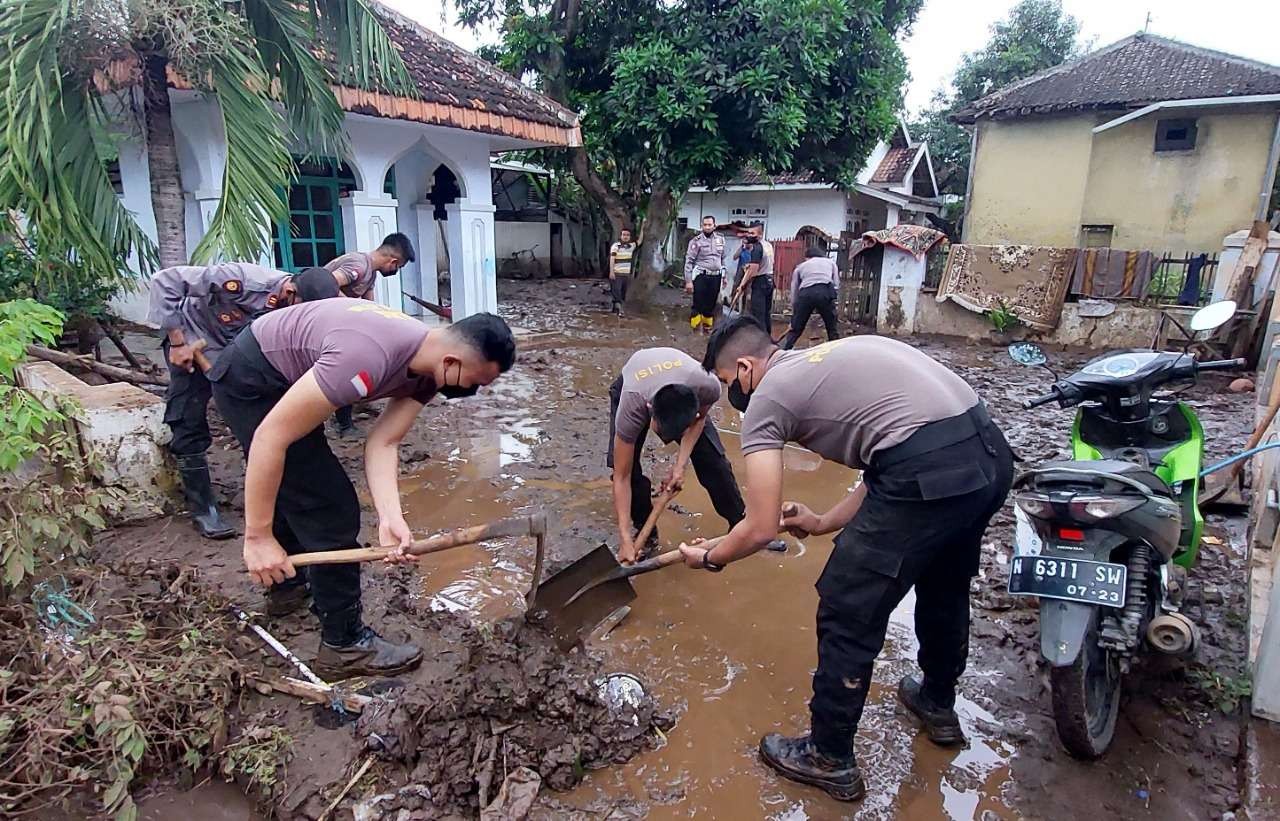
[
  {"x": 799, "y": 760},
  {"x": 369, "y": 655},
  {"x": 288, "y": 597},
  {"x": 198, "y": 488},
  {"x": 941, "y": 724}
]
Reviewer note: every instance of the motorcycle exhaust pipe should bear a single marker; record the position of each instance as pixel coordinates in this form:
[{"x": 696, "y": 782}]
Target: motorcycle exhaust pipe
[{"x": 1173, "y": 634}]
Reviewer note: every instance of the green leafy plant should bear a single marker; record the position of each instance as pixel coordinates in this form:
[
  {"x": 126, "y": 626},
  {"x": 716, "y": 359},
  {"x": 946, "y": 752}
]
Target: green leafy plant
[
  {"x": 50, "y": 503},
  {"x": 1224, "y": 690},
  {"x": 1002, "y": 317},
  {"x": 257, "y": 755}
]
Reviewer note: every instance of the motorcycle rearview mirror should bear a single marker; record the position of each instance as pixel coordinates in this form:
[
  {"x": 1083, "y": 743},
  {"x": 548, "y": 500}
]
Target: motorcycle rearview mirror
[
  {"x": 1031, "y": 355},
  {"x": 1213, "y": 315}
]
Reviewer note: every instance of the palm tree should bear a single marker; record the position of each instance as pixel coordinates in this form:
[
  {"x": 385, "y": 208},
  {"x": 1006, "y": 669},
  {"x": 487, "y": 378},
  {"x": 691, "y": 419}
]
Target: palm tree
[{"x": 71, "y": 71}]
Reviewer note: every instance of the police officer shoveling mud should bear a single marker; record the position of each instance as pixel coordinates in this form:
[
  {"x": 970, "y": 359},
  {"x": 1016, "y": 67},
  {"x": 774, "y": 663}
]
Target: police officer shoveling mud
[
  {"x": 935, "y": 470},
  {"x": 276, "y": 385}
]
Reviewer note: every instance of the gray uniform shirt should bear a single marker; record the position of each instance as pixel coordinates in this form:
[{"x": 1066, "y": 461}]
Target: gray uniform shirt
[
  {"x": 848, "y": 399},
  {"x": 647, "y": 372},
  {"x": 815, "y": 271},
  {"x": 356, "y": 349},
  {"x": 705, "y": 255},
  {"x": 214, "y": 302},
  {"x": 357, "y": 268}
]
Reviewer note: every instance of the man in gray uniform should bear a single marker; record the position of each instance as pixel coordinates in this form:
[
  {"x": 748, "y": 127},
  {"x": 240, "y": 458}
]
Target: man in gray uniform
[
  {"x": 935, "y": 470},
  {"x": 814, "y": 285},
  {"x": 212, "y": 303},
  {"x": 666, "y": 391},
  {"x": 704, "y": 274}
]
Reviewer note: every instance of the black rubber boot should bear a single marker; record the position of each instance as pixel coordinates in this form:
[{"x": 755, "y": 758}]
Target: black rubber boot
[
  {"x": 941, "y": 724},
  {"x": 198, "y": 488},
  {"x": 369, "y": 655},
  {"x": 799, "y": 760}
]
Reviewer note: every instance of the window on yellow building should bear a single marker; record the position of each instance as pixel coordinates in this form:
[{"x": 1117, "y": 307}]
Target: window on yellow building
[
  {"x": 1096, "y": 236},
  {"x": 1177, "y": 134}
]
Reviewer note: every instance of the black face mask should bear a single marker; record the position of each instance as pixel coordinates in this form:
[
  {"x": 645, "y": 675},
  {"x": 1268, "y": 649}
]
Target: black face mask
[
  {"x": 739, "y": 398},
  {"x": 457, "y": 391}
]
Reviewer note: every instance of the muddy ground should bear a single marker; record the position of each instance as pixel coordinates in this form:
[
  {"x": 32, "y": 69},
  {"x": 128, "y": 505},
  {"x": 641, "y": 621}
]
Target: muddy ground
[{"x": 731, "y": 654}]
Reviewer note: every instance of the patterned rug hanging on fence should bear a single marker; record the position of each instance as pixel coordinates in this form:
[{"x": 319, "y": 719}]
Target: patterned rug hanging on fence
[
  {"x": 1104, "y": 273},
  {"x": 1029, "y": 280},
  {"x": 914, "y": 239}
]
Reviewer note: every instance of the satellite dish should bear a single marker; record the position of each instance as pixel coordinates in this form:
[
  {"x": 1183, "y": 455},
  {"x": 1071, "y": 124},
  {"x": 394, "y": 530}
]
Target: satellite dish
[{"x": 1213, "y": 315}]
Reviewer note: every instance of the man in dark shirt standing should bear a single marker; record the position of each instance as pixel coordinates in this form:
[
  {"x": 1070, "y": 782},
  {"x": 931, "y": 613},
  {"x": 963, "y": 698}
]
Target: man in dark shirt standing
[
  {"x": 756, "y": 282},
  {"x": 935, "y": 470},
  {"x": 276, "y": 385}
]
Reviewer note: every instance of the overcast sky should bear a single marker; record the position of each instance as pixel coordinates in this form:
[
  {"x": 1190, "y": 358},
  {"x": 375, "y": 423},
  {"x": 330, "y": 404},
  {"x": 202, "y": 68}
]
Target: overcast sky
[{"x": 947, "y": 29}]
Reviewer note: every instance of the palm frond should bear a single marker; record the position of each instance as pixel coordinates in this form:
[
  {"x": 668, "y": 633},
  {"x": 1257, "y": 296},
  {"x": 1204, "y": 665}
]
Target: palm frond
[
  {"x": 258, "y": 163},
  {"x": 50, "y": 166},
  {"x": 286, "y": 38},
  {"x": 364, "y": 53}
]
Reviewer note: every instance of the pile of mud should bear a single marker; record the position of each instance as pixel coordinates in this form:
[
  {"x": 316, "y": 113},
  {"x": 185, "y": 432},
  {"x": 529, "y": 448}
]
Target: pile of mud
[{"x": 514, "y": 699}]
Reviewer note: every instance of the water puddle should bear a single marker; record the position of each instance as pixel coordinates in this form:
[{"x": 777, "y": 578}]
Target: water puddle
[{"x": 212, "y": 801}]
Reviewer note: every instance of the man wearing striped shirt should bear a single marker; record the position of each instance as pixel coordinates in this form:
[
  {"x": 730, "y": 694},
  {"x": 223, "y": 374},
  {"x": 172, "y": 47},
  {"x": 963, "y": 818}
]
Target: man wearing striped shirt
[{"x": 620, "y": 255}]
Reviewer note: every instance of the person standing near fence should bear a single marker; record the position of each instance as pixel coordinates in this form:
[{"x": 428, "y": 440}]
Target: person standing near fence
[
  {"x": 704, "y": 274},
  {"x": 757, "y": 277},
  {"x": 814, "y": 284},
  {"x": 620, "y": 255}
]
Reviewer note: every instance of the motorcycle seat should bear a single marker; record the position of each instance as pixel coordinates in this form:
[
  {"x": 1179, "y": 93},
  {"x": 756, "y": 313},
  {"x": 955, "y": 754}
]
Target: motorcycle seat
[{"x": 1081, "y": 472}]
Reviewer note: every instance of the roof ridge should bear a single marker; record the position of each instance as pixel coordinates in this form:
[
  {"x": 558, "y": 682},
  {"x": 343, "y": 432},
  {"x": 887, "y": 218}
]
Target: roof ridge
[
  {"x": 1051, "y": 71},
  {"x": 1209, "y": 52},
  {"x": 498, "y": 75}
]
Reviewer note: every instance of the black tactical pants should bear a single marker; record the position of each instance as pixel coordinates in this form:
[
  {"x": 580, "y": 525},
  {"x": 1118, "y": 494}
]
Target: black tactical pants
[
  {"x": 920, "y": 526},
  {"x": 316, "y": 508},
  {"x": 820, "y": 298},
  {"x": 706, "y": 293},
  {"x": 709, "y": 464},
  {"x": 760, "y": 306},
  {"x": 186, "y": 404}
]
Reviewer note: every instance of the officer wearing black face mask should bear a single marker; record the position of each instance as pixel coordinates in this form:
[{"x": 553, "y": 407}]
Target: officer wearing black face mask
[
  {"x": 275, "y": 386},
  {"x": 664, "y": 390},
  {"x": 935, "y": 470}
]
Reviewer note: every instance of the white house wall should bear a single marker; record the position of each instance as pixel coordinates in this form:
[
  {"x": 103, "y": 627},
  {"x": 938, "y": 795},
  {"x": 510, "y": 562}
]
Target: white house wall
[
  {"x": 511, "y": 237},
  {"x": 789, "y": 209}
]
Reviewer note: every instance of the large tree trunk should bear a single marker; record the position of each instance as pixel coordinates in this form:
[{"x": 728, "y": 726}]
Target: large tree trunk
[
  {"x": 162, "y": 160},
  {"x": 659, "y": 215}
]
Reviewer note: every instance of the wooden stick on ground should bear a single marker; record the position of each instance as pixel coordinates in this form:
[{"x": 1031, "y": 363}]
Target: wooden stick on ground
[
  {"x": 359, "y": 774},
  {"x": 121, "y": 374},
  {"x": 316, "y": 693}
]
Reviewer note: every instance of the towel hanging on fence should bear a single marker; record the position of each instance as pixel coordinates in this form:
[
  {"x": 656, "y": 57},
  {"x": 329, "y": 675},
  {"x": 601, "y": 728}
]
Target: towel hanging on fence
[
  {"x": 1190, "y": 293},
  {"x": 1106, "y": 273}
]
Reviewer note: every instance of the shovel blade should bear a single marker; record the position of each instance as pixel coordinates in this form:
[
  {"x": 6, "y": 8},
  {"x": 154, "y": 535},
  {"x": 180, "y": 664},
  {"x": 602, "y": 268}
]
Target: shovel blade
[{"x": 569, "y": 623}]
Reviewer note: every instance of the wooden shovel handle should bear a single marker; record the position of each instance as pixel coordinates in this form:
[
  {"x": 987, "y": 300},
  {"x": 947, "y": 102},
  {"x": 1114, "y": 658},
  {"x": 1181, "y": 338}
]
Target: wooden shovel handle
[
  {"x": 519, "y": 526},
  {"x": 658, "y": 507},
  {"x": 667, "y": 559}
]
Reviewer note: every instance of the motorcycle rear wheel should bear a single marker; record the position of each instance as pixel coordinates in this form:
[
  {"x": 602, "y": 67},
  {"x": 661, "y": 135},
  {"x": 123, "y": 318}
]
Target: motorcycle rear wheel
[{"x": 1086, "y": 697}]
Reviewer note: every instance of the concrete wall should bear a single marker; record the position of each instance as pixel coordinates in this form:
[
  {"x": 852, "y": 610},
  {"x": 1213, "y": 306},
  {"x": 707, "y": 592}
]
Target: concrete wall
[
  {"x": 518, "y": 236},
  {"x": 1029, "y": 181},
  {"x": 1178, "y": 200},
  {"x": 123, "y": 426},
  {"x": 1128, "y": 327},
  {"x": 789, "y": 209}
]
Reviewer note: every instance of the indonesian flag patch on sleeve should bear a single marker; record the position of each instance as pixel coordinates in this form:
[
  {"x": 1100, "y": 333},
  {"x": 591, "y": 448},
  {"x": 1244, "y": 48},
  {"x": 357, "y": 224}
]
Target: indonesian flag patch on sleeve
[{"x": 362, "y": 383}]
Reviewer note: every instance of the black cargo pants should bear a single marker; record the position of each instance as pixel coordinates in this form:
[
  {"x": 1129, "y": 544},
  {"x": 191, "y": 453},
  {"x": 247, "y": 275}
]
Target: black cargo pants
[
  {"x": 920, "y": 526},
  {"x": 820, "y": 298},
  {"x": 760, "y": 302},
  {"x": 316, "y": 508},
  {"x": 709, "y": 461},
  {"x": 186, "y": 405}
]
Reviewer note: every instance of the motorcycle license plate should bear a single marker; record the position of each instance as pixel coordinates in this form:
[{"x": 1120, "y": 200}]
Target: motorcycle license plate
[{"x": 1076, "y": 580}]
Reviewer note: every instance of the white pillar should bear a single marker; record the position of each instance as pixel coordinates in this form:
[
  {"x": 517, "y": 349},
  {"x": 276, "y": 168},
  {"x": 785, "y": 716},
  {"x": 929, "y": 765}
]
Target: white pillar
[
  {"x": 890, "y": 216},
  {"x": 428, "y": 279},
  {"x": 901, "y": 278},
  {"x": 366, "y": 219},
  {"x": 473, "y": 275}
]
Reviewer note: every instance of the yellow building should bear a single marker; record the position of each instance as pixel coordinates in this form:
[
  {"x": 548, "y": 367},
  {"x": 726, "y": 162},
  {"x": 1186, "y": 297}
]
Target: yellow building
[{"x": 1146, "y": 144}]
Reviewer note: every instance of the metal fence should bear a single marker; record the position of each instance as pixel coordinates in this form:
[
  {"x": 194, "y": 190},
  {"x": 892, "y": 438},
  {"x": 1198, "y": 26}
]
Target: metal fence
[{"x": 1169, "y": 275}]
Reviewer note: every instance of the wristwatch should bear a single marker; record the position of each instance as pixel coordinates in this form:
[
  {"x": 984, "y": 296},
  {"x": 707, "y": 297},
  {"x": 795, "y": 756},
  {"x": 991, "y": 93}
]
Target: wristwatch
[{"x": 707, "y": 564}]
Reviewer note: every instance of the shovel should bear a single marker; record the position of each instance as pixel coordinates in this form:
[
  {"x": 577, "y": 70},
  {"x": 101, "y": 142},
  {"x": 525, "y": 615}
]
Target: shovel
[
  {"x": 1229, "y": 492},
  {"x": 534, "y": 525},
  {"x": 563, "y": 599}
]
